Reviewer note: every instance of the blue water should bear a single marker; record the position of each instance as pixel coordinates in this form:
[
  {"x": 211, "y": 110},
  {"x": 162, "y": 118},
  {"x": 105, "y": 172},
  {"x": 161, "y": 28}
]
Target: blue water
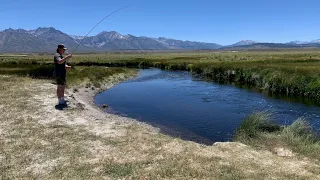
[{"x": 192, "y": 109}]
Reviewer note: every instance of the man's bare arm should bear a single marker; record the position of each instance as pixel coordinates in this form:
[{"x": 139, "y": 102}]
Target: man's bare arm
[{"x": 60, "y": 61}]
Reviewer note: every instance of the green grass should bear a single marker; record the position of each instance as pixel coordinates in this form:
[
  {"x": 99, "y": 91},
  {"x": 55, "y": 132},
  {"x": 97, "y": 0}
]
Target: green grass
[
  {"x": 119, "y": 170},
  {"x": 76, "y": 76},
  {"x": 94, "y": 75},
  {"x": 302, "y": 139},
  {"x": 256, "y": 123},
  {"x": 292, "y": 73},
  {"x": 260, "y": 131}
]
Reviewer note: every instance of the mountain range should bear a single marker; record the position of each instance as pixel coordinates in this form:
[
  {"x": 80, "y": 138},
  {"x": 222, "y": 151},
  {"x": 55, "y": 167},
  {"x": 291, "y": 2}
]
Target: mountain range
[{"x": 46, "y": 40}]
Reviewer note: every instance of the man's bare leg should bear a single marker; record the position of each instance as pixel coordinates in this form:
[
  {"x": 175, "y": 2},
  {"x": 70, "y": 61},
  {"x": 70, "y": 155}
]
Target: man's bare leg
[{"x": 60, "y": 92}]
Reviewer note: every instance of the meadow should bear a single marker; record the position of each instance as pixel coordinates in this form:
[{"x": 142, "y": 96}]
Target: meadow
[{"x": 289, "y": 73}]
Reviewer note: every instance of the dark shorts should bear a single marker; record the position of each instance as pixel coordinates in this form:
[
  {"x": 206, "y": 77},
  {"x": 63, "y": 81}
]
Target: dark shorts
[{"x": 61, "y": 80}]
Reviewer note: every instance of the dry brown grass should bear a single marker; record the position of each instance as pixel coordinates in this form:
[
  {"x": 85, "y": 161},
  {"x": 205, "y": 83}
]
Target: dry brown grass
[{"x": 81, "y": 142}]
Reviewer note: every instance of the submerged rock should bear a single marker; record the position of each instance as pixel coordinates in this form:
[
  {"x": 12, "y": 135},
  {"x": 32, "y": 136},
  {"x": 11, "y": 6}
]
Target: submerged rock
[{"x": 105, "y": 106}]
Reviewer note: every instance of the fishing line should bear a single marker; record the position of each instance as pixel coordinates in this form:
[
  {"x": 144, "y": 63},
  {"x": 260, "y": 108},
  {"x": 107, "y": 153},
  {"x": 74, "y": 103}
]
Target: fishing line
[{"x": 98, "y": 24}]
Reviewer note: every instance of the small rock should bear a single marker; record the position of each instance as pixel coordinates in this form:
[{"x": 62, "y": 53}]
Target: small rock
[
  {"x": 81, "y": 106},
  {"x": 284, "y": 152},
  {"x": 105, "y": 106},
  {"x": 93, "y": 88}
]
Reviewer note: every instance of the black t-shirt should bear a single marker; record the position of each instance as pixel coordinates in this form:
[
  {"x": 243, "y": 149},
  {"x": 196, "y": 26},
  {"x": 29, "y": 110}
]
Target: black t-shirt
[{"x": 60, "y": 69}]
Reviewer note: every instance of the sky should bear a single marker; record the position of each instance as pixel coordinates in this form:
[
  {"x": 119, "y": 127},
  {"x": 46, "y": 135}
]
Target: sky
[{"x": 218, "y": 21}]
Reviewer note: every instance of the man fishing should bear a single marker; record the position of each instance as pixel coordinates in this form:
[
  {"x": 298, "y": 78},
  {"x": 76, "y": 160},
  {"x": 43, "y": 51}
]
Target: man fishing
[
  {"x": 61, "y": 65},
  {"x": 60, "y": 72}
]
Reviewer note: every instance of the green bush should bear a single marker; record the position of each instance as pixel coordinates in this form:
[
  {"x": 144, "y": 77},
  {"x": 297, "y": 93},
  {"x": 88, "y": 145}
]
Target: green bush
[
  {"x": 255, "y": 124},
  {"x": 258, "y": 130}
]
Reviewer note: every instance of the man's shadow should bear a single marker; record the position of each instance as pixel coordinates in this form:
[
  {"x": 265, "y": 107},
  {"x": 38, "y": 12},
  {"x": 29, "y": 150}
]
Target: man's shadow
[{"x": 61, "y": 107}]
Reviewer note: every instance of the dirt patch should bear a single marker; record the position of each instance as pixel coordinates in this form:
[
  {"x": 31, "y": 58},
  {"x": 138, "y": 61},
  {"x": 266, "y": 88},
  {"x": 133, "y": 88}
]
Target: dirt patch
[{"x": 283, "y": 152}]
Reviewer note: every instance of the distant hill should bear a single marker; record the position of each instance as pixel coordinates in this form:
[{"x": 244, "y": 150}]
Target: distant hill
[
  {"x": 46, "y": 40},
  {"x": 172, "y": 43},
  {"x": 244, "y": 43},
  {"x": 304, "y": 42},
  {"x": 115, "y": 41},
  {"x": 272, "y": 46},
  {"x": 20, "y": 41},
  {"x": 52, "y": 37}
]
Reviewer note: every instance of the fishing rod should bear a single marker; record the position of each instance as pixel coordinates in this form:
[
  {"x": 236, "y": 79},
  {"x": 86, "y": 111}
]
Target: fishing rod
[{"x": 98, "y": 24}]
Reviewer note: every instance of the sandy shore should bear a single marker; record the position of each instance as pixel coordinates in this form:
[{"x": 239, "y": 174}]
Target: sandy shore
[{"x": 82, "y": 99}]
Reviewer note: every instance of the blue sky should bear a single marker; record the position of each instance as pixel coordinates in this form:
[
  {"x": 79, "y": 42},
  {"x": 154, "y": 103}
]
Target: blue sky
[{"x": 224, "y": 21}]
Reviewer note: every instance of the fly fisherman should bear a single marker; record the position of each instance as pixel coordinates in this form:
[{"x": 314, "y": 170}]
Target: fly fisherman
[
  {"x": 60, "y": 72},
  {"x": 61, "y": 65}
]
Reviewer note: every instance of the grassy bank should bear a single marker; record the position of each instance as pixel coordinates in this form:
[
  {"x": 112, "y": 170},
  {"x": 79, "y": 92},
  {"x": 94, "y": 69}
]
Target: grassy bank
[
  {"x": 76, "y": 76},
  {"x": 259, "y": 130},
  {"x": 292, "y": 73}
]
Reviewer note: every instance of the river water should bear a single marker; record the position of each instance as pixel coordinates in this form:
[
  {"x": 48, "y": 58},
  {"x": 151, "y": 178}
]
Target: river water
[{"x": 192, "y": 109}]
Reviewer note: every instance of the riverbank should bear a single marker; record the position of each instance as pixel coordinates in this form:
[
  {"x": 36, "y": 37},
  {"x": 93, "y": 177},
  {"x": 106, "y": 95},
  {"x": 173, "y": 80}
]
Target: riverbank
[{"x": 83, "y": 142}]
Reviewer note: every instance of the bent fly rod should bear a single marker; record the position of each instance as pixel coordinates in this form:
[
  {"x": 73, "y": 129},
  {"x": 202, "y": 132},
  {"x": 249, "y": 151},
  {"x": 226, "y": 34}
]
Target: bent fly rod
[{"x": 98, "y": 24}]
